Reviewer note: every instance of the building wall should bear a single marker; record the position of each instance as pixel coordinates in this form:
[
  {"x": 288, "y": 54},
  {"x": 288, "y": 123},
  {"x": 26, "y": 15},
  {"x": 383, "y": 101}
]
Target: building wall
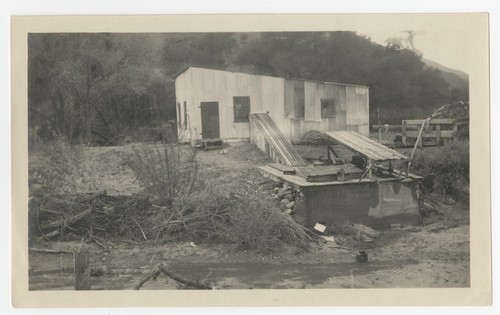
[
  {"x": 372, "y": 204},
  {"x": 294, "y": 105},
  {"x": 351, "y": 102},
  {"x": 198, "y": 85},
  {"x": 357, "y": 112}
]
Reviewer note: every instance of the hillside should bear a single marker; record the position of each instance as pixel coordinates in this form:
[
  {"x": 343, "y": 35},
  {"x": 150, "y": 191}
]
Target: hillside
[
  {"x": 132, "y": 91},
  {"x": 462, "y": 75},
  {"x": 458, "y": 80}
]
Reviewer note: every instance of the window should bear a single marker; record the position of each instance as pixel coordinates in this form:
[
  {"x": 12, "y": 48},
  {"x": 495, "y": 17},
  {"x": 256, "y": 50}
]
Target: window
[
  {"x": 241, "y": 108},
  {"x": 328, "y": 108}
]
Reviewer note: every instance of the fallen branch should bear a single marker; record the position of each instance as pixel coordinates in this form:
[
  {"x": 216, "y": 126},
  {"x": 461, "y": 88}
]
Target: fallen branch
[
  {"x": 153, "y": 276},
  {"x": 69, "y": 221},
  {"x": 143, "y": 234},
  {"x": 188, "y": 283},
  {"x": 99, "y": 242},
  {"x": 313, "y": 236},
  {"x": 52, "y": 234},
  {"x": 49, "y": 251}
]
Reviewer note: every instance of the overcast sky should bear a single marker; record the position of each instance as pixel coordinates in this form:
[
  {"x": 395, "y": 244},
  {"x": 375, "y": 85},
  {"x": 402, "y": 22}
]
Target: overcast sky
[
  {"x": 443, "y": 47},
  {"x": 446, "y": 38}
]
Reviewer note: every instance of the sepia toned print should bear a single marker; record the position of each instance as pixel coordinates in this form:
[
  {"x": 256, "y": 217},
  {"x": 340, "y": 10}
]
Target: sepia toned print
[{"x": 242, "y": 160}]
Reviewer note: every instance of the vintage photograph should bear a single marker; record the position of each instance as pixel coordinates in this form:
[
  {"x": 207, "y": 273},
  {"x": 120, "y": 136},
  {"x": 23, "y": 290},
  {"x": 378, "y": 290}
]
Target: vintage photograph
[
  {"x": 250, "y": 160},
  {"x": 247, "y": 160}
]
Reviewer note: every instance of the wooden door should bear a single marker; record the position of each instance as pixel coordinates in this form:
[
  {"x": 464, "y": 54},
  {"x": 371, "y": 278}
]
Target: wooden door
[{"x": 210, "y": 120}]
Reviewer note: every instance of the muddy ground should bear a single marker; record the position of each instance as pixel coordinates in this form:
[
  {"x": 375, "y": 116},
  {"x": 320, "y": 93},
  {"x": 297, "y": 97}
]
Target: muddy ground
[{"x": 434, "y": 255}]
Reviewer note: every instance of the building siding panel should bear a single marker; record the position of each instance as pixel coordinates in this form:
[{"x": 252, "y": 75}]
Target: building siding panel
[{"x": 294, "y": 105}]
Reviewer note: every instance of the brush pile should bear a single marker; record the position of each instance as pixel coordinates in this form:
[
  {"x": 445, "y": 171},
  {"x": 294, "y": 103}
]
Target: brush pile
[
  {"x": 92, "y": 216},
  {"x": 247, "y": 223}
]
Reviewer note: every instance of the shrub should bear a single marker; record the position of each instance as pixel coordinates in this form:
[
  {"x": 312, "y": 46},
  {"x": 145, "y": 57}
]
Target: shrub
[
  {"x": 448, "y": 164},
  {"x": 247, "y": 221},
  {"x": 64, "y": 168},
  {"x": 257, "y": 223},
  {"x": 168, "y": 171},
  {"x": 203, "y": 208}
]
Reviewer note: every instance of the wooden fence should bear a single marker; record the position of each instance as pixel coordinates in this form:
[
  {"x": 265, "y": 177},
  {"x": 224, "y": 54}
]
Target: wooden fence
[{"x": 436, "y": 131}]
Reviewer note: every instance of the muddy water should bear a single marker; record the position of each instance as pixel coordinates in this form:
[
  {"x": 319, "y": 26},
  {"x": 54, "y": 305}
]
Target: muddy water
[{"x": 227, "y": 276}]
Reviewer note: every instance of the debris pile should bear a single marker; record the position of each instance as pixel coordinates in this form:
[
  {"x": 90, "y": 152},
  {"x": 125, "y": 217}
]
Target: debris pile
[
  {"x": 250, "y": 222},
  {"x": 455, "y": 110},
  {"x": 91, "y": 216},
  {"x": 360, "y": 232}
]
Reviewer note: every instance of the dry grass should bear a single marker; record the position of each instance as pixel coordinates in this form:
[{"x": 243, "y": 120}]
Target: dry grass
[{"x": 224, "y": 201}]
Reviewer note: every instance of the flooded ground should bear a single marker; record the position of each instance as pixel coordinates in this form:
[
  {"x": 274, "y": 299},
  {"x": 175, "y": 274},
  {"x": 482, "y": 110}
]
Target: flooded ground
[{"x": 409, "y": 258}]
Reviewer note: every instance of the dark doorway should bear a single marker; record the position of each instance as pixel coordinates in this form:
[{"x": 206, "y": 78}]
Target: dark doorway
[{"x": 210, "y": 120}]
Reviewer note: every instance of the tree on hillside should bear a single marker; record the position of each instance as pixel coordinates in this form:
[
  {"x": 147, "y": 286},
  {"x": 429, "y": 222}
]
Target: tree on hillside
[{"x": 81, "y": 83}]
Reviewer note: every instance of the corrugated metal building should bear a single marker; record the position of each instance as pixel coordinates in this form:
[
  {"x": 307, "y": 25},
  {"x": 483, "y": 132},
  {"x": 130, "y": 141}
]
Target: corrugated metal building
[{"x": 216, "y": 104}]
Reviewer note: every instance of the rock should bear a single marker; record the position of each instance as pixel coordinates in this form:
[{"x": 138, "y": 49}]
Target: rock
[
  {"x": 290, "y": 205},
  {"x": 360, "y": 233},
  {"x": 413, "y": 228},
  {"x": 288, "y": 211},
  {"x": 362, "y": 257},
  {"x": 366, "y": 239},
  {"x": 283, "y": 192},
  {"x": 450, "y": 201},
  {"x": 290, "y": 197},
  {"x": 328, "y": 238},
  {"x": 284, "y": 202},
  {"x": 435, "y": 227},
  {"x": 361, "y": 229}
]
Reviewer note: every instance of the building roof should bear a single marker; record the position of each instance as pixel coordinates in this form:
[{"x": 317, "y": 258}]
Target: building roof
[
  {"x": 185, "y": 68},
  {"x": 365, "y": 146}
]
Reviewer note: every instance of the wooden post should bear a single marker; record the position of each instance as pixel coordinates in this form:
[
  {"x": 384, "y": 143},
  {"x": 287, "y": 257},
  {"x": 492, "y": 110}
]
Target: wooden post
[
  {"x": 370, "y": 164},
  {"x": 420, "y": 140},
  {"x": 455, "y": 131},
  {"x": 379, "y": 126},
  {"x": 403, "y": 132},
  {"x": 438, "y": 135},
  {"x": 82, "y": 270}
]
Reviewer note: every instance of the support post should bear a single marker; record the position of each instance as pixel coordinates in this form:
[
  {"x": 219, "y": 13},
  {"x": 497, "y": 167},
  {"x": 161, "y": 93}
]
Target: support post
[
  {"x": 403, "y": 132},
  {"x": 455, "y": 131},
  {"x": 82, "y": 270},
  {"x": 438, "y": 135},
  {"x": 370, "y": 164}
]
